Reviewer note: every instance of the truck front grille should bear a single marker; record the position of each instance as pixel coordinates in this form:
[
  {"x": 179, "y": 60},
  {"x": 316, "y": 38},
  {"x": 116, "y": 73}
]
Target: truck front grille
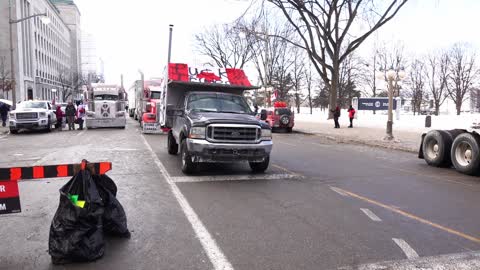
[
  {"x": 26, "y": 115},
  {"x": 233, "y": 133}
]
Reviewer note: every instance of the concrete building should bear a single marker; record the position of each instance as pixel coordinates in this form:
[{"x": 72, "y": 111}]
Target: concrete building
[
  {"x": 42, "y": 52},
  {"x": 71, "y": 16},
  {"x": 92, "y": 65}
]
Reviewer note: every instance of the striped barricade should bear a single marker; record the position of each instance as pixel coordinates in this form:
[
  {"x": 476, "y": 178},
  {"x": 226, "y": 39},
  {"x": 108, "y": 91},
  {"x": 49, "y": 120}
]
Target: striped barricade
[{"x": 9, "y": 177}]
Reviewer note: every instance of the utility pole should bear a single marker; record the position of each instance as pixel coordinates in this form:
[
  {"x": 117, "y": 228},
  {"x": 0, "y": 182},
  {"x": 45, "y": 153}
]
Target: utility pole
[
  {"x": 170, "y": 43},
  {"x": 12, "y": 60}
]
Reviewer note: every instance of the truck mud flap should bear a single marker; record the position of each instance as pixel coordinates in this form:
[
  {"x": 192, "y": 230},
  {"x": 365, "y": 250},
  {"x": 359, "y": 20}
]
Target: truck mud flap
[{"x": 420, "y": 151}]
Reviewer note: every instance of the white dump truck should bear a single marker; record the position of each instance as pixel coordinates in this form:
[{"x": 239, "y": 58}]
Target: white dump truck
[
  {"x": 105, "y": 106},
  {"x": 457, "y": 147}
]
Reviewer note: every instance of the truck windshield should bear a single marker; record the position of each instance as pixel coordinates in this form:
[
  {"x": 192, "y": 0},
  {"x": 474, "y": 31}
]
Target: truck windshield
[
  {"x": 217, "y": 103},
  {"x": 106, "y": 97},
  {"x": 155, "y": 95},
  {"x": 33, "y": 105}
]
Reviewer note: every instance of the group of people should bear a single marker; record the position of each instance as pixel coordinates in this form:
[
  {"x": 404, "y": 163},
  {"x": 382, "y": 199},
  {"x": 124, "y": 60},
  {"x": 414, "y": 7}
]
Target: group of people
[
  {"x": 73, "y": 115},
  {"x": 336, "y": 115}
]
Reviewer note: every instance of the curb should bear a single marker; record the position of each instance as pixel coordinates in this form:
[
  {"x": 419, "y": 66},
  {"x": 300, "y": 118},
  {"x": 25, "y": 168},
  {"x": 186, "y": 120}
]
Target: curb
[{"x": 347, "y": 140}]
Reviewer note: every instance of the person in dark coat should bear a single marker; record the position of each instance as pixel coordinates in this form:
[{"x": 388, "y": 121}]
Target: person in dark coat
[
  {"x": 4, "y": 108},
  {"x": 336, "y": 115},
  {"x": 70, "y": 112},
  {"x": 59, "y": 114},
  {"x": 351, "y": 114}
]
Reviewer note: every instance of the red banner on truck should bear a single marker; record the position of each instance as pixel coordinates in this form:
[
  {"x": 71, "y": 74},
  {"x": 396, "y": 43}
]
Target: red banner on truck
[{"x": 230, "y": 76}]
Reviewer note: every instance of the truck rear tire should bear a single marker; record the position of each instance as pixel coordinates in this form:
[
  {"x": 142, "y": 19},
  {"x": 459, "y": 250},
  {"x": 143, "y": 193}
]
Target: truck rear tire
[
  {"x": 188, "y": 166},
  {"x": 436, "y": 148},
  {"x": 465, "y": 154},
  {"x": 171, "y": 144},
  {"x": 260, "y": 167}
]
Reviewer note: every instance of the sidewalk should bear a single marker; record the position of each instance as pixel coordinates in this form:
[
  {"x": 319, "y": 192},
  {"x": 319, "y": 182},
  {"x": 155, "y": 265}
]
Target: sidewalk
[
  {"x": 404, "y": 140},
  {"x": 3, "y": 130}
]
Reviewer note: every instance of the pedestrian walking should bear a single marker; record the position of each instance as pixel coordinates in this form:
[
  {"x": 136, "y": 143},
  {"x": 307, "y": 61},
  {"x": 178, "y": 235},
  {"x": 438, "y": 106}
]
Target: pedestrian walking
[
  {"x": 80, "y": 115},
  {"x": 59, "y": 114},
  {"x": 351, "y": 114},
  {"x": 4, "y": 108},
  {"x": 336, "y": 115},
  {"x": 70, "y": 113}
]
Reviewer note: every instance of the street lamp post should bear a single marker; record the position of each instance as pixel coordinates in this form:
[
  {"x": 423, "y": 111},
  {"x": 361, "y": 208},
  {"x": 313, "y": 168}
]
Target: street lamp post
[
  {"x": 11, "y": 21},
  {"x": 390, "y": 77}
]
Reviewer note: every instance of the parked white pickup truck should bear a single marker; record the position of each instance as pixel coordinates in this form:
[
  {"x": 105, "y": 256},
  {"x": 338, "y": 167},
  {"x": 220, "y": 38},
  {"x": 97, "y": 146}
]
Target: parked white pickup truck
[{"x": 32, "y": 115}]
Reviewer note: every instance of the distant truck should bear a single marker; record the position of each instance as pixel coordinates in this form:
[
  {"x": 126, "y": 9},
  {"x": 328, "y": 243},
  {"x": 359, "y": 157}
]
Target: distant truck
[
  {"x": 210, "y": 120},
  {"x": 131, "y": 101},
  {"x": 457, "y": 147},
  {"x": 105, "y": 106},
  {"x": 147, "y": 103},
  {"x": 32, "y": 115}
]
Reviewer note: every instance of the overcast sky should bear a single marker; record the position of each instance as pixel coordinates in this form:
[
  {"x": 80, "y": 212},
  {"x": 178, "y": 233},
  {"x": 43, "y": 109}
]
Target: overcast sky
[{"x": 132, "y": 35}]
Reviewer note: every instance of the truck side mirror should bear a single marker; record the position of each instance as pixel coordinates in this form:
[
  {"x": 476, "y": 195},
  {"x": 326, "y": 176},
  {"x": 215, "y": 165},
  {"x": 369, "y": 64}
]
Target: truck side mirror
[{"x": 263, "y": 115}]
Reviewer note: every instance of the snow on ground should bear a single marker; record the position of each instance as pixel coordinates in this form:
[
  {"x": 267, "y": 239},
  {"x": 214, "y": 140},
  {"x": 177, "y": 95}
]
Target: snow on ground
[{"x": 407, "y": 121}]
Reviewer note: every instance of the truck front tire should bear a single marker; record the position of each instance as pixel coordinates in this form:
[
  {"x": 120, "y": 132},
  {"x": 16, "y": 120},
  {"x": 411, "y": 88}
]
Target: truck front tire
[
  {"x": 188, "y": 166},
  {"x": 172, "y": 145},
  {"x": 436, "y": 148},
  {"x": 465, "y": 154},
  {"x": 260, "y": 167}
]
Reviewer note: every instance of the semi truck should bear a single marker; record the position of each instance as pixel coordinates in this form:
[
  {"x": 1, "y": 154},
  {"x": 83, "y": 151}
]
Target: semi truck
[
  {"x": 209, "y": 120},
  {"x": 459, "y": 148},
  {"x": 147, "y": 104},
  {"x": 105, "y": 106}
]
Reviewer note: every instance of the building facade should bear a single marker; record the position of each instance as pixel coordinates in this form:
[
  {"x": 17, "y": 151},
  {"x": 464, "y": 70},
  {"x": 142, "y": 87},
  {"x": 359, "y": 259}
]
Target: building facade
[{"x": 42, "y": 51}]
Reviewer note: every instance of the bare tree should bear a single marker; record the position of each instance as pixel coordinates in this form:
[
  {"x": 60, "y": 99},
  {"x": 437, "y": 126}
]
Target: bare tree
[
  {"x": 326, "y": 32},
  {"x": 298, "y": 75},
  {"x": 417, "y": 85},
  {"x": 392, "y": 58},
  {"x": 308, "y": 84},
  {"x": 226, "y": 45},
  {"x": 462, "y": 73},
  {"x": 436, "y": 74},
  {"x": 351, "y": 74},
  {"x": 70, "y": 82},
  {"x": 6, "y": 84}
]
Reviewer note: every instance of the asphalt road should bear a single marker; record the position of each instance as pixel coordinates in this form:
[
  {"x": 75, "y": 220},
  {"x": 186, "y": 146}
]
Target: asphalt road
[{"x": 320, "y": 205}]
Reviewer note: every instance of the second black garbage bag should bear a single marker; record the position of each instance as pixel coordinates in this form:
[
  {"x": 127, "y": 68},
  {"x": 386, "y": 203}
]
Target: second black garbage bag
[
  {"x": 76, "y": 232},
  {"x": 114, "y": 217}
]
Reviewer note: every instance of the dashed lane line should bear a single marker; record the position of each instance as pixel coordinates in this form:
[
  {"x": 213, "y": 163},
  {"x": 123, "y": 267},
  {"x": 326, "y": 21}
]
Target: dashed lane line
[
  {"x": 219, "y": 178},
  {"x": 408, "y": 215},
  {"x": 290, "y": 144},
  {"x": 213, "y": 251},
  {"x": 406, "y": 248},
  {"x": 370, "y": 214},
  {"x": 339, "y": 191}
]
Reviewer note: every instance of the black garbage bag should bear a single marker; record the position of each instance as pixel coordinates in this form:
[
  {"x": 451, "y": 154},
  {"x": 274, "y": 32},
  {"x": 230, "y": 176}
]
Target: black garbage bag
[
  {"x": 76, "y": 233},
  {"x": 114, "y": 217}
]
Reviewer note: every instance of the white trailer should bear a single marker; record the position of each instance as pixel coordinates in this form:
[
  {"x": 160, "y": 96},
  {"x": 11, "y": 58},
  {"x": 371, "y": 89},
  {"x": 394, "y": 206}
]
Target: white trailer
[
  {"x": 457, "y": 147},
  {"x": 106, "y": 107}
]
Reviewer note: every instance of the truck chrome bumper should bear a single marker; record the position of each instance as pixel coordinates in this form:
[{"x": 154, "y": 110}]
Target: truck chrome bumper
[
  {"x": 41, "y": 123},
  {"x": 105, "y": 122},
  {"x": 205, "y": 151}
]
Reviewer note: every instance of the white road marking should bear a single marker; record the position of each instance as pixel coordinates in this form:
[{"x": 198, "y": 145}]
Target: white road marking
[
  {"x": 217, "y": 178},
  {"x": 339, "y": 191},
  {"x": 215, "y": 254},
  {"x": 18, "y": 155},
  {"x": 406, "y": 248},
  {"x": 370, "y": 214},
  {"x": 81, "y": 133},
  {"x": 459, "y": 261}
]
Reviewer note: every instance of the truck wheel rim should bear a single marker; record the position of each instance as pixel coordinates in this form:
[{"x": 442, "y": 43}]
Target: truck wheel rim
[
  {"x": 184, "y": 158},
  {"x": 463, "y": 154},
  {"x": 432, "y": 149}
]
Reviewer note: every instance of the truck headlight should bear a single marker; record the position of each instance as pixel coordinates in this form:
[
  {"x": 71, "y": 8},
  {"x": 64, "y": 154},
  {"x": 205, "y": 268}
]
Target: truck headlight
[
  {"x": 90, "y": 114},
  {"x": 197, "y": 133},
  {"x": 266, "y": 134},
  {"x": 121, "y": 113},
  {"x": 43, "y": 114},
  {"x": 11, "y": 115}
]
